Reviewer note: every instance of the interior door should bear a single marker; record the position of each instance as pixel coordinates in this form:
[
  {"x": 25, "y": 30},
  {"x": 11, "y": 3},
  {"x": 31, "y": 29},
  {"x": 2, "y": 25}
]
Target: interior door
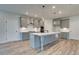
[
  {"x": 12, "y": 28},
  {"x": 3, "y": 36}
]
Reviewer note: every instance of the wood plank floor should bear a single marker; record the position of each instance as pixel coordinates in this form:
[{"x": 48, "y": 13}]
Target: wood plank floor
[{"x": 61, "y": 47}]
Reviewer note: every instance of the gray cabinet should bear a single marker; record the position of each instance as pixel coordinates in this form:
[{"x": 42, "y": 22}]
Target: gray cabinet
[
  {"x": 64, "y": 35},
  {"x": 26, "y": 35}
]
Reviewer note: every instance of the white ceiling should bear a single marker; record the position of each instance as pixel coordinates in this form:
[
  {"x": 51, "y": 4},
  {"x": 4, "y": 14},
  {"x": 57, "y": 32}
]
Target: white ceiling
[{"x": 47, "y": 12}]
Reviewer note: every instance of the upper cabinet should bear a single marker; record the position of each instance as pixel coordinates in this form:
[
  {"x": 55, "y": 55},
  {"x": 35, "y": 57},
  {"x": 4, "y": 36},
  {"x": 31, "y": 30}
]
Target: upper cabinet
[
  {"x": 60, "y": 23},
  {"x": 56, "y": 22},
  {"x": 38, "y": 22},
  {"x": 31, "y": 21}
]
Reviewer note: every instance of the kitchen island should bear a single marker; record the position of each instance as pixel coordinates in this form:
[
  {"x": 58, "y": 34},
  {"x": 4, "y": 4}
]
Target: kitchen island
[{"x": 38, "y": 40}]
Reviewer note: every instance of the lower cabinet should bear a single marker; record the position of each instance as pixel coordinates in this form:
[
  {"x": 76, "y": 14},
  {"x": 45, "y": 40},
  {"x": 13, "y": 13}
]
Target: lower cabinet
[
  {"x": 26, "y": 35},
  {"x": 64, "y": 35}
]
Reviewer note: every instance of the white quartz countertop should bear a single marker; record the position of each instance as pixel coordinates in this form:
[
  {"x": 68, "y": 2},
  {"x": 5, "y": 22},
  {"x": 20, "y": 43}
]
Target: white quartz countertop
[
  {"x": 41, "y": 34},
  {"x": 27, "y": 31}
]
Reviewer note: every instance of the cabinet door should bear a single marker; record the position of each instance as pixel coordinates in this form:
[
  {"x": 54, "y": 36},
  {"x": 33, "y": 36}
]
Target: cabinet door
[
  {"x": 3, "y": 36},
  {"x": 36, "y": 24}
]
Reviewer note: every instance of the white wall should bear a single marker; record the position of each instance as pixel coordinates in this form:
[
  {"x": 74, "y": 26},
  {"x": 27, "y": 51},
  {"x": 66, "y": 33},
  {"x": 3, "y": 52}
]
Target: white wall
[
  {"x": 9, "y": 28},
  {"x": 74, "y": 27},
  {"x": 48, "y": 25}
]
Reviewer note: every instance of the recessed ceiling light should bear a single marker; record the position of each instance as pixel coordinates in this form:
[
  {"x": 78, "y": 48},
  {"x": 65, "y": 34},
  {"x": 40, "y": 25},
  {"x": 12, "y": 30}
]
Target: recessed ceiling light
[
  {"x": 36, "y": 15},
  {"x": 53, "y": 7},
  {"x": 60, "y": 12},
  {"x": 27, "y": 13}
]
